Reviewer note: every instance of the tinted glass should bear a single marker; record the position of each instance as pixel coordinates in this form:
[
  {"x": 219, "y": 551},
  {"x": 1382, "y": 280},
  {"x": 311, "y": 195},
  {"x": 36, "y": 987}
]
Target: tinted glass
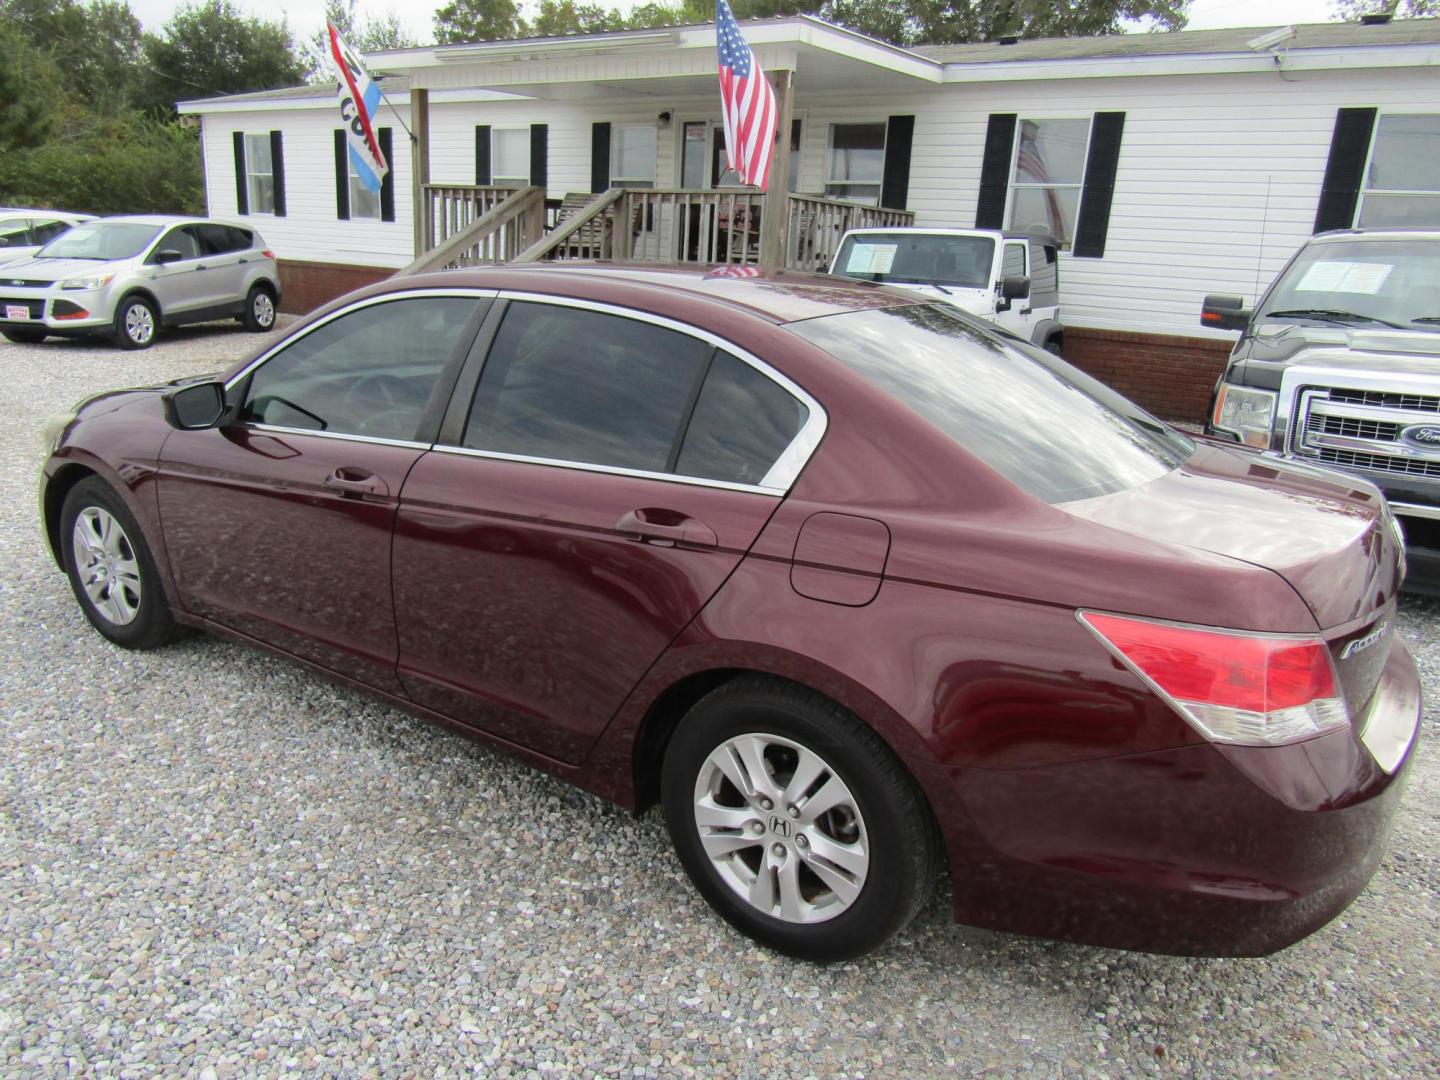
[
  {"x": 101, "y": 240},
  {"x": 575, "y": 385},
  {"x": 14, "y": 232},
  {"x": 370, "y": 372},
  {"x": 907, "y": 256},
  {"x": 1049, "y": 429},
  {"x": 1357, "y": 282},
  {"x": 221, "y": 239},
  {"x": 742, "y": 423},
  {"x": 45, "y": 231}
]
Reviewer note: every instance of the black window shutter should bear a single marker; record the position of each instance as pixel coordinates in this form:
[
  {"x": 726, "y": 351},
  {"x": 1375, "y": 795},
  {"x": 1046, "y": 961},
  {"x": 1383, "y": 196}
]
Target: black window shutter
[
  {"x": 277, "y": 169},
  {"x": 540, "y": 155},
  {"x": 995, "y": 171},
  {"x": 1095, "y": 199},
  {"x": 599, "y": 158},
  {"x": 1344, "y": 172},
  {"x": 342, "y": 176},
  {"x": 482, "y": 154},
  {"x": 387, "y": 186},
  {"x": 895, "y": 182},
  {"x": 242, "y": 188}
]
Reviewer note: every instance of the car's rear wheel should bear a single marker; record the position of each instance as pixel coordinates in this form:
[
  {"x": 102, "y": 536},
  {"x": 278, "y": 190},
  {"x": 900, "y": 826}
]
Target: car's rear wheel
[
  {"x": 135, "y": 323},
  {"x": 259, "y": 315},
  {"x": 111, "y": 569},
  {"x": 1055, "y": 346},
  {"x": 24, "y": 337},
  {"x": 797, "y": 824}
]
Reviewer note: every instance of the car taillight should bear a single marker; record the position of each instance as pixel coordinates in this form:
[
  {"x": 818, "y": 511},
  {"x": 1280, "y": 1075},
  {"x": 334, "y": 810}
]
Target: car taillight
[
  {"x": 1232, "y": 686},
  {"x": 268, "y": 254}
]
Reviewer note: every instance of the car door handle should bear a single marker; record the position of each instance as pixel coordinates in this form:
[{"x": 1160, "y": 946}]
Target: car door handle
[
  {"x": 666, "y": 528},
  {"x": 352, "y": 481}
]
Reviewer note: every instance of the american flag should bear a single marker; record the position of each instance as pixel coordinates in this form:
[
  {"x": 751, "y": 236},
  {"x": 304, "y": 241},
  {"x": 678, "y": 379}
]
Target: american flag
[{"x": 746, "y": 100}]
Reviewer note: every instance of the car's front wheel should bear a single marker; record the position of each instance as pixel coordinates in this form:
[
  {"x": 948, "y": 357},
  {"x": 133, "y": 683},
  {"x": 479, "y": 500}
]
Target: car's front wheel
[
  {"x": 259, "y": 315},
  {"x": 111, "y": 569},
  {"x": 24, "y": 337},
  {"x": 135, "y": 323},
  {"x": 796, "y": 822}
]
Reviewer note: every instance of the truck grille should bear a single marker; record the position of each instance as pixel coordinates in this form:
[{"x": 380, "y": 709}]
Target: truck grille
[{"x": 1364, "y": 429}]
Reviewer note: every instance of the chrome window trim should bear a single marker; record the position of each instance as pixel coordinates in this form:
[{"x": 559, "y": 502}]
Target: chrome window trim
[
  {"x": 369, "y": 301},
  {"x": 277, "y": 429},
  {"x": 786, "y": 468}
]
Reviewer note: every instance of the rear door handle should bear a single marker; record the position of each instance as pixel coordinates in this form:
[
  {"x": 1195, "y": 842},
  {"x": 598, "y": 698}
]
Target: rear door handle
[
  {"x": 666, "y": 528},
  {"x": 354, "y": 481}
]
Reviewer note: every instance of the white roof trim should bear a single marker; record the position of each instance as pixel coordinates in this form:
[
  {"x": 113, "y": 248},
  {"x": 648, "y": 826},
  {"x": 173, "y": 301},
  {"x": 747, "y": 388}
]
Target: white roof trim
[{"x": 396, "y": 99}]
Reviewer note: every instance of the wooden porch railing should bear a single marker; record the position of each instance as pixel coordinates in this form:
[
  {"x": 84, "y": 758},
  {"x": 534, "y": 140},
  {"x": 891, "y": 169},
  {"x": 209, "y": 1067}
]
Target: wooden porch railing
[
  {"x": 509, "y": 226},
  {"x": 590, "y": 231},
  {"x": 816, "y": 225}
]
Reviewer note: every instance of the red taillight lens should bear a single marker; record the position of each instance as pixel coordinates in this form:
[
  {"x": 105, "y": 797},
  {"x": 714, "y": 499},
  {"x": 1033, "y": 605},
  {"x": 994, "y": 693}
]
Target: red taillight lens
[
  {"x": 268, "y": 254},
  {"x": 1234, "y": 687}
]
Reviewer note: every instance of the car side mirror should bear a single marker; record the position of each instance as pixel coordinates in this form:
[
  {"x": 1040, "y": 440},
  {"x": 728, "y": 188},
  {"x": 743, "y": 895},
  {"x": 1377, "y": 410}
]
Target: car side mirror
[
  {"x": 1015, "y": 287},
  {"x": 1224, "y": 313},
  {"x": 196, "y": 407},
  {"x": 168, "y": 255}
]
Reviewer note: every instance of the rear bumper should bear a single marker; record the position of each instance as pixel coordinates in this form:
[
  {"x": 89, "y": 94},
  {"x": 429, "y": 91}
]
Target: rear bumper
[{"x": 1198, "y": 850}]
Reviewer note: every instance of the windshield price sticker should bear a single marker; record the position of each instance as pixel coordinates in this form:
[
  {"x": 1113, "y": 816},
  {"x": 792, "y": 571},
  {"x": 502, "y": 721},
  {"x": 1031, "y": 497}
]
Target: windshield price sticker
[
  {"x": 871, "y": 259},
  {"x": 1345, "y": 277}
]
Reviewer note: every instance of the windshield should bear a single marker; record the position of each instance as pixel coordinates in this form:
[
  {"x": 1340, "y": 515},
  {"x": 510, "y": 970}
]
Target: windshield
[
  {"x": 100, "y": 240},
  {"x": 1361, "y": 283},
  {"x": 918, "y": 259},
  {"x": 1049, "y": 429}
]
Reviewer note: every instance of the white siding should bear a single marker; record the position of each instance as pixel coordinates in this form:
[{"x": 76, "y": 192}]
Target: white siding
[{"x": 1218, "y": 180}]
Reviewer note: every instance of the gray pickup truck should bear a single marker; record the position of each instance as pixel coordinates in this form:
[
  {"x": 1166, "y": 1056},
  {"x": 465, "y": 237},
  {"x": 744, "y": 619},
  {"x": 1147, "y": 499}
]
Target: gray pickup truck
[{"x": 1339, "y": 365}]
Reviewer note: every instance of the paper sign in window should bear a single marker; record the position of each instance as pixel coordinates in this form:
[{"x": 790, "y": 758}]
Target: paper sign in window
[
  {"x": 1345, "y": 277},
  {"x": 871, "y": 259}
]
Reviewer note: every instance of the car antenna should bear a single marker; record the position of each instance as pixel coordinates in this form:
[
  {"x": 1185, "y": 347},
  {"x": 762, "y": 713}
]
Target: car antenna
[{"x": 1264, "y": 223}]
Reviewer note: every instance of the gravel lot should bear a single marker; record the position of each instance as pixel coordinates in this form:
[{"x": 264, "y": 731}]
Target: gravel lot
[{"x": 213, "y": 863}]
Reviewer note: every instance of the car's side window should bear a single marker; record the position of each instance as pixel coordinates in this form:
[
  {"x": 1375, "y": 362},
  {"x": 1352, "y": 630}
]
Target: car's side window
[
  {"x": 217, "y": 239},
  {"x": 369, "y": 372},
  {"x": 42, "y": 232},
  {"x": 742, "y": 423},
  {"x": 1014, "y": 261},
  {"x": 177, "y": 239},
  {"x": 570, "y": 384}
]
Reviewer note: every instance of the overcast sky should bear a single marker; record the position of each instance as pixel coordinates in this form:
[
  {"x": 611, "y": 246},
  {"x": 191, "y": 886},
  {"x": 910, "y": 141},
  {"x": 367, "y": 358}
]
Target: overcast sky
[{"x": 307, "y": 16}]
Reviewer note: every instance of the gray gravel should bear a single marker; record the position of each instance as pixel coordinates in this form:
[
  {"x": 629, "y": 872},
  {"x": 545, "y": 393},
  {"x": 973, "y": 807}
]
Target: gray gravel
[{"x": 213, "y": 863}]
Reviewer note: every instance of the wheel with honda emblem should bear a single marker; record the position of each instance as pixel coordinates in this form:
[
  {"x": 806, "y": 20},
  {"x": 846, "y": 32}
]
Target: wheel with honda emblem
[{"x": 796, "y": 822}]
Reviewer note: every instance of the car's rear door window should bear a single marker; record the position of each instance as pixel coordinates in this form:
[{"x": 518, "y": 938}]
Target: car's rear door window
[
  {"x": 742, "y": 422},
  {"x": 371, "y": 371},
  {"x": 575, "y": 385},
  {"x": 1048, "y": 428},
  {"x": 221, "y": 239}
]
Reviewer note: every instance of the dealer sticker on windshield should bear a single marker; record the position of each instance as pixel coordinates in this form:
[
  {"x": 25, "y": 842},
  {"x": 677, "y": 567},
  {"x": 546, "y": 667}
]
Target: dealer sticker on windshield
[
  {"x": 871, "y": 259},
  {"x": 1345, "y": 277},
  {"x": 17, "y": 311}
]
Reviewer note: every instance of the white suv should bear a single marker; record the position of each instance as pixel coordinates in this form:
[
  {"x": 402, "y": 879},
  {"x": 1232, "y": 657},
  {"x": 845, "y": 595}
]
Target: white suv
[{"x": 125, "y": 277}]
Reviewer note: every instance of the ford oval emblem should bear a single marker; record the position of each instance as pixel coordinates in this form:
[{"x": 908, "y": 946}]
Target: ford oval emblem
[{"x": 1422, "y": 434}]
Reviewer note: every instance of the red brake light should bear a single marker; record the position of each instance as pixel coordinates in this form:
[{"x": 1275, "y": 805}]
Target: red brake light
[
  {"x": 268, "y": 254},
  {"x": 1234, "y": 687}
]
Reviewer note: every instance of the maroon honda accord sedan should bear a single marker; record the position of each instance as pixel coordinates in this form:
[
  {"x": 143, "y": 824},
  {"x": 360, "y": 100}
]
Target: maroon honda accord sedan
[{"x": 859, "y": 589}]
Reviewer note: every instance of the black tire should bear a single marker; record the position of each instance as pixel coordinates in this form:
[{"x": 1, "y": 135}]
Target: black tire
[
  {"x": 136, "y": 323},
  {"x": 151, "y": 623},
  {"x": 1054, "y": 347},
  {"x": 893, "y": 825},
  {"x": 259, "y": 314},
  {"x": 24, "y": 337}
]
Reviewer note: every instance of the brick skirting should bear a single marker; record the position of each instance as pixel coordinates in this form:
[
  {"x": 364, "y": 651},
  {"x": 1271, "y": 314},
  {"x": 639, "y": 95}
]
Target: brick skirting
[
  {"x": 1170, "y": 376},
  {"x": 308, "y": 285}
]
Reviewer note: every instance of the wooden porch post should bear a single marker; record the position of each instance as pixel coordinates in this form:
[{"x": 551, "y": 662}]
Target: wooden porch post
[
  {"x": 420, "y": 166},
  {"x": 775, "y": 216}
]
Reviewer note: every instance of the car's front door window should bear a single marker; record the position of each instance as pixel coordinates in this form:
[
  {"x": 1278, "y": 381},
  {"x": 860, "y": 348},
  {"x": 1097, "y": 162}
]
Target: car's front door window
[
  {"x": 370, "y": 372},
  {"x": 178, "y": 239}
]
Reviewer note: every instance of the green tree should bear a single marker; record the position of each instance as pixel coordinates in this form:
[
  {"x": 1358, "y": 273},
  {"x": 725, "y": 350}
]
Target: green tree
[
  {"x": 29, "y": 87},
  {"x": 96, "y": 48},
  {"x": 478, "y": 20},
  {"x": 556, "y": 18},
  {"x": 1351, "y": 10},
  {"x": 213, "y": 48},
  {"x": 365, "y": 35}
]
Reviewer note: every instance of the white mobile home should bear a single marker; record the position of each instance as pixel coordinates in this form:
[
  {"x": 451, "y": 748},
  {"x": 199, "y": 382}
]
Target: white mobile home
[{"x": 1168, "y": 165}]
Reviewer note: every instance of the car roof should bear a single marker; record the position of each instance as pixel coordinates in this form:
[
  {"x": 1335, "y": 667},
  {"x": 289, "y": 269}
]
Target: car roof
[
  {"x": 37, "y": 211},
  {"x": 1375, "y": 234},
  {"x": 778, "y": 296},
  {"x": 1007, "y": 234}
]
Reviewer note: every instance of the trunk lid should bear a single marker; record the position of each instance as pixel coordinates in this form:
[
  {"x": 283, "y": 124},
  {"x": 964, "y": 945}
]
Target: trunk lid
[{"x": 1328, "y": 535}]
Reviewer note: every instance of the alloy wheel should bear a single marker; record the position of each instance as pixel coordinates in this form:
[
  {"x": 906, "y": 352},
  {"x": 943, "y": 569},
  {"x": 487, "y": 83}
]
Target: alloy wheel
[
  {"x": 139, "y": 323},
  {"x": 781, "y": 828},
  {"x": 263, "y": 309},
  {"x": 107, "y": 566}
]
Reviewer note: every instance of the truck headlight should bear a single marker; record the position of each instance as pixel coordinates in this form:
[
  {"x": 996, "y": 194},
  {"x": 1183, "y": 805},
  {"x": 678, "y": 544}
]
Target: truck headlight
[{"x": 1245, "y": 412}]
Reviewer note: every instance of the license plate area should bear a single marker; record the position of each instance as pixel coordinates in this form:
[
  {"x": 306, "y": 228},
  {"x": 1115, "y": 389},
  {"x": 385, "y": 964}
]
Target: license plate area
[{"x": 19, "y": 311}]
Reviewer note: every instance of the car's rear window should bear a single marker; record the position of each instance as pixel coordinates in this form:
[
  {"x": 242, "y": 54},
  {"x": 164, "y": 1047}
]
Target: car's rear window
[{"x": 1048, "y": 428}]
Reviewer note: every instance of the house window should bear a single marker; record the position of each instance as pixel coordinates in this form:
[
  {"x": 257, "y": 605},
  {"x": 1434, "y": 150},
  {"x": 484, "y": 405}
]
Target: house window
[
  {"x": 1402, "y": 185},
  {"x": 364, "y": 203},
  {"x": 856, "y": 163},
  {"x": 632, "y": 156},
  {"x": 1048, "y": 176},
  {"x": 510, "y": 157},
  {"x": 259, "y": 173}
]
